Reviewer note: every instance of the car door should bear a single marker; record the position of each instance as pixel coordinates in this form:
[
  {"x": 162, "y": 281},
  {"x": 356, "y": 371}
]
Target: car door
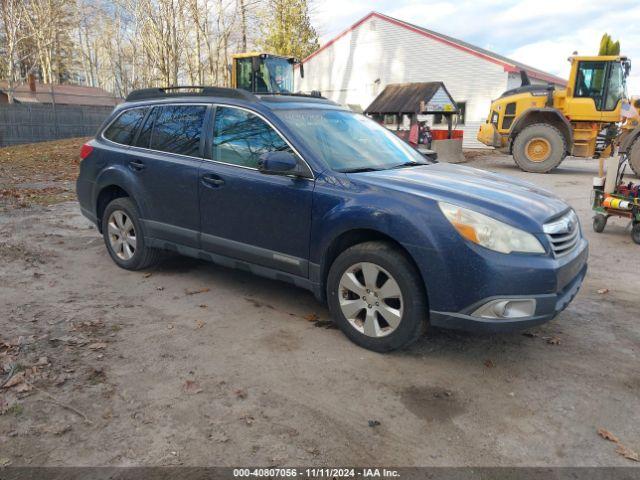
[
  {"x": 166, "y": 158},
  {"x": 245, "y": 214}
]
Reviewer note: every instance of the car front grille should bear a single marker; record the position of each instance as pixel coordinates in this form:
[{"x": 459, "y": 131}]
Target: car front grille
[{"x": 563, "y": 233}]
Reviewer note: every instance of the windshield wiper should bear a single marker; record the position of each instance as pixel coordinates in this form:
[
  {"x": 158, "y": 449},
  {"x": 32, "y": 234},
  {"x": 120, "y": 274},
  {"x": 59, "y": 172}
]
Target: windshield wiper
[
  {"x": 360, "y": 170},
  {"x": 412, "y": 163}
]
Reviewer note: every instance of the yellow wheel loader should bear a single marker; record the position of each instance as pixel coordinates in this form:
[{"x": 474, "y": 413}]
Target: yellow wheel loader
[
  {"x": 541, "y": 124},
  {"x": 263, "y": 72}
]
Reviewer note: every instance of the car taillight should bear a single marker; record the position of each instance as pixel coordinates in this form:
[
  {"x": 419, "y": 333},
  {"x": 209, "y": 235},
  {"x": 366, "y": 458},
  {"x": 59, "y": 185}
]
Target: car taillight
[{"x": 85, "y": 151}]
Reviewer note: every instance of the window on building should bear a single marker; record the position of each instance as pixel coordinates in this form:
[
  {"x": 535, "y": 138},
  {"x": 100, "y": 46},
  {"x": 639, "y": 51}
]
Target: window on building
[
  {"x": 124, "y": 128},
  {"x": 177, "y": 129},
  {"x": 240, "y": 137}
]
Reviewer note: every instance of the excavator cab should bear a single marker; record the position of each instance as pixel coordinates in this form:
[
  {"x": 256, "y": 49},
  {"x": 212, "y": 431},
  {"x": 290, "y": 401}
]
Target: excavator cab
[{"x": 264, "y": 72}]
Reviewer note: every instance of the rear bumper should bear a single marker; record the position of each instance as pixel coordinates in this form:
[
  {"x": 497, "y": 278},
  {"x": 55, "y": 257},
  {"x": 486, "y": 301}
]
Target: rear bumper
[{"x": 547, "y": 307}]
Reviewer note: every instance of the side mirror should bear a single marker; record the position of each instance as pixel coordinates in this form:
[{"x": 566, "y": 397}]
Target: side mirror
[{"x": 282, "y": 163}]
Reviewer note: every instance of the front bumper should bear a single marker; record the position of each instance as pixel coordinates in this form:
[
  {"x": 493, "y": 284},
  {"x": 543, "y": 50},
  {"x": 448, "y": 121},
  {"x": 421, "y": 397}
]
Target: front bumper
[{"x": 547, "y": 307}]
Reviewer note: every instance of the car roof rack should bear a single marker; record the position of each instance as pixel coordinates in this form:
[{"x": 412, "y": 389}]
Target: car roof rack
[{"x": 190, "y": 91}]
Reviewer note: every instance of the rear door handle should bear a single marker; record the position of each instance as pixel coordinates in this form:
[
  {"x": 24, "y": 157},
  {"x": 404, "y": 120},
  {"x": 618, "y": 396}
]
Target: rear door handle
[
  {"x": 136, "y": 165},
  {"x": 212, "y": 180}
]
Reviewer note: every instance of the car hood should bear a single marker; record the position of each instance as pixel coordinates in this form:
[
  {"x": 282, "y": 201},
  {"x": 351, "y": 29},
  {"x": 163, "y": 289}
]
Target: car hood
[{"x": 490, "y": 193}]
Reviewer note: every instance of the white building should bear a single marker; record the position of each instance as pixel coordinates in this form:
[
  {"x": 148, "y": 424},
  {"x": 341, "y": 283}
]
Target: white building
[{"x": 356, "y": 65}]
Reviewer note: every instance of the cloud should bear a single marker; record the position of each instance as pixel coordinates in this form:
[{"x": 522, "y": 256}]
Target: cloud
[{"x": 540, "y": 33}]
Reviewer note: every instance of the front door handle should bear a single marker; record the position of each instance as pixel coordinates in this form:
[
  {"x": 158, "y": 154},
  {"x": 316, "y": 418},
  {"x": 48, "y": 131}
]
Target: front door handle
[
  {"x": 136, "y": 165},
  {"x": 212, "y": 180}
]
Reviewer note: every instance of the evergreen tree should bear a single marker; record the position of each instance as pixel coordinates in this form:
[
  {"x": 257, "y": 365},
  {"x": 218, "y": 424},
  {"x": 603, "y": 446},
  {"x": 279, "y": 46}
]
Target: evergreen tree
[
  {"x": 288, "y": 29},
  {"x": 608, "y": 46}
]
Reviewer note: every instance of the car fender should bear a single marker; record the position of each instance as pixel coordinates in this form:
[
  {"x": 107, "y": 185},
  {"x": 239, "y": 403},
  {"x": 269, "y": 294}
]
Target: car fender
[{"x": 119, "y": 176}]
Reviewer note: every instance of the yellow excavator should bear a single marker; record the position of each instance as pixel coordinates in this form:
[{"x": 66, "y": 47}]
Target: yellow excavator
[
  {"x": 264, "y": 72},
  {"x": 541, "y": 124}
]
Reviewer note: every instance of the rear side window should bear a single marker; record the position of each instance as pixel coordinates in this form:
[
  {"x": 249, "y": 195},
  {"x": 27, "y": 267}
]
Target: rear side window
[
  {"x": 124, "y": 128},
  {"x": 177, "y": 129},
  {"x": 240, "y": 137}
]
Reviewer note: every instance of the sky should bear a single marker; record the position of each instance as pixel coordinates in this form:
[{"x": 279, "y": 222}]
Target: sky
[{"x": 539, "y": 33}]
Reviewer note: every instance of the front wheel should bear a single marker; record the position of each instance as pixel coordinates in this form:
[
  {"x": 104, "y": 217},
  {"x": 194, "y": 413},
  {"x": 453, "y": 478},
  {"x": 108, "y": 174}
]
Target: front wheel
[
  {"x": 599, "y": 222},
  {"x": 376, "y": 296},
  {"x": 539, "y": 148}
]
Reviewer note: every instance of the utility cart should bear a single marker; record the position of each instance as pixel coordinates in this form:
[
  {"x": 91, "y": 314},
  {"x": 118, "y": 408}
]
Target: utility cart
[{"x": 612, "y": 197}]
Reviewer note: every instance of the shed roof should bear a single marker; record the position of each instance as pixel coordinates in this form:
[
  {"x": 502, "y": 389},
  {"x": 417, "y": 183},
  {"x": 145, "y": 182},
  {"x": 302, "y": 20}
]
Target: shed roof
[
  {"x": 63, "y": 94},
  {"x": 406, "y": 98}
]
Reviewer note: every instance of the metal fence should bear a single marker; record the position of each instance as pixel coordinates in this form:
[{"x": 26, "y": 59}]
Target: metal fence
[{"x": 27, "y": 123}]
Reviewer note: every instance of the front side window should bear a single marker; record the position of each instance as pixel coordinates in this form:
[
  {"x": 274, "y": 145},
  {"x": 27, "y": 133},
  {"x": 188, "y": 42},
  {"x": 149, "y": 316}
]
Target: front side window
[
  {"x": 616, "y": 87},
  {"x": 124, "y": 128},
  {"x": 240, "y": 137},
  {"x": 177, "y": 129},
  {"x": 348, "y": 141},
  {"x": 590, "y": 81}
]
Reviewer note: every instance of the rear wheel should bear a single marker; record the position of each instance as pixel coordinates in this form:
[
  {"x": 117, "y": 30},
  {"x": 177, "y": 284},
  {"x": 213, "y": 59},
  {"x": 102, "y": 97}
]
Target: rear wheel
[
  {"x": 124, "y": 238},
  {"x": 635, "y": 233},
  {"x": 376, "y": 297},
  {"x": 634, "y": 156},
  {"x": 539, "y": 148}
]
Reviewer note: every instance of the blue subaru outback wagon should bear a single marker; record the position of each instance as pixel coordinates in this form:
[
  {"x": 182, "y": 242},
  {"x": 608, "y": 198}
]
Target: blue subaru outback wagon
[{"x": 300, "y": 189}]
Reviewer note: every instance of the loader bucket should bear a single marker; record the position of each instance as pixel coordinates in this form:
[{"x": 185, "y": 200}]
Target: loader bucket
[{"x": 449, "y": 151}]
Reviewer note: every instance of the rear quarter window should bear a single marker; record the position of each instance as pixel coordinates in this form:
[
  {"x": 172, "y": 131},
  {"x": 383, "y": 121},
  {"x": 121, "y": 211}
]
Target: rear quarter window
[{"x": 123, "y": 129}]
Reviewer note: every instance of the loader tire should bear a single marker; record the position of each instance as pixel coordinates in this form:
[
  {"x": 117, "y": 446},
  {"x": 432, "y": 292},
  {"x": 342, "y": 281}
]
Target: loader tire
[
  {"x": 539, "y": 148},
  {"x": 634, "y": 156}
]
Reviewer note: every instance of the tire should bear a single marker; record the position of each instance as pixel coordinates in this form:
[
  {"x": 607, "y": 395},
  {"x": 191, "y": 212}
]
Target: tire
[
  {"x": 543, "y": 140},
  {"x": 635, "y": 233},
  {"x": 138, "y": 255},
  {"x": 375, "y": 315},
  {"x": 599, "y": 222},
  {"x": 634, "y": 156}
]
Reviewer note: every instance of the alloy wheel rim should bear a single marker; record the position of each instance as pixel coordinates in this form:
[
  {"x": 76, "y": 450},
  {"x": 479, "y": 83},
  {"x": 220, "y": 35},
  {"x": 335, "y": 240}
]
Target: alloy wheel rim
[
  {"x": 538, "y": 149},
  {"x": 370, "y": 299},
  {"x": 122, "y": 235}
]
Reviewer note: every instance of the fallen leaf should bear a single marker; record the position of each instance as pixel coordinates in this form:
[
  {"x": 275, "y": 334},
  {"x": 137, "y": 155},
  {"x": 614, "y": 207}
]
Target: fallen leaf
[
  {"x": 203, "y": 305},
  {"x": 373, "y": 423},
  {"x": 4, "y": 462},
  {"x": 530, "y": 334},
  {"x": 22, "y": 388},
  {"x": 312, "y": 317},
  {"x": 602, "y": 291},
  {"x": 147, "y": 275},
  {"x": 159, "y": 288},
  {"x": 489, "y": 363},
  {"x": 191, "y": 387},
  {"x": 97, "y": 346},
  {"x": 607, "y": 435},
  {"x": 194, "y": 292},
  {"x": 242, "y": 394},
  {"x": 17, "y": 379},
  {"x": 200, "y": 323},
  {"x": 170, "y": 326},
  {"x": 553, "y": 340},
  {"x": 248, "y": 419},
  {"x": 627, "y": 453}
]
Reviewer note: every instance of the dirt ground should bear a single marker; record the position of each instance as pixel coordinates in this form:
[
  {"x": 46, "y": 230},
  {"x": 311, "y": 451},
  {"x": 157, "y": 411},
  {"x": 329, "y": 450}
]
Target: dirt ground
[{"x": 194, "y": 364}]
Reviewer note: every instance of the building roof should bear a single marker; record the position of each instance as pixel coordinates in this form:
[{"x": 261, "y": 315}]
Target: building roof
[
  {"x": 63, "y": 94},
  {"x": 406, "y": 98},
  {"x": 508, "y": 64}
]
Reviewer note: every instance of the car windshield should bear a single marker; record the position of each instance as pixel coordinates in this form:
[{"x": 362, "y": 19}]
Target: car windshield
[{"x": 350, "y": 142}]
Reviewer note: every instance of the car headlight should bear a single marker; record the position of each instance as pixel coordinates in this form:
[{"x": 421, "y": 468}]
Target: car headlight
[{"x": 489, "y": 232}]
